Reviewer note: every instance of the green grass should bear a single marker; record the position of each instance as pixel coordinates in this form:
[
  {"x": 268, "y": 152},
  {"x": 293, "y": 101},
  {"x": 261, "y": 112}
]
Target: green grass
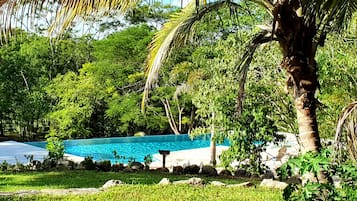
[{"x": 141, "y": 186}]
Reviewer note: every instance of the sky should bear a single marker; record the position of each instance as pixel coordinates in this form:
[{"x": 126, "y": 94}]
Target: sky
[{"x": 82, "y": 27}]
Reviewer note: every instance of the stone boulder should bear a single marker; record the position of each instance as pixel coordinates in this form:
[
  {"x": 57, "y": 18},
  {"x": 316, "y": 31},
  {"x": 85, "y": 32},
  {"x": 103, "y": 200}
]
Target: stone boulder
[
  {"x": 268, "y": 175},
  {"x": 178, "y": 170},
  {"x": 128, "y": 170},
  {"x": 192, "y": 181},
  {"x": 270, "y": 183},
  {"x": 225, "y": 173},
  {"x": 209, "y": 171},
  {"x": 217, "y": 183},
  {"x": 164, "y": 181},
  {"x": 241, "y": 173},
  {"x": 191, "y": 169},
  {"x": 137, "y": 166},
  {"x": 112, "y": 183},
  {"x": 161, "y": 169}
]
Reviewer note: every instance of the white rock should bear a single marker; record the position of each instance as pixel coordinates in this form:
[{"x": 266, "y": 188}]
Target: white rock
[
  {"x": 217, "y": 183},
  {"x": 180, "y": 182},
  {"x": 112, "y": 183},
  {"x": 164, "y": 181},
  {"x": 195, "y": 181},
  {"x": 336, "y": 181},
  {"x": 270, "y": 183},
  {"x": 191, "y": 181}
]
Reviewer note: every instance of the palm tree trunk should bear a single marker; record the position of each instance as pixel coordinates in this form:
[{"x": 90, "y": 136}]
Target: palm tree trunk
[
  {"x": 299, "y": 49},
  {"x": 302, "y": 75},
  {"x": 308, "y": 129}
]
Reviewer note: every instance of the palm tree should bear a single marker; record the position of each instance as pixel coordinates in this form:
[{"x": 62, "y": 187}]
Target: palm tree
[{"x": 299, "y": 26}]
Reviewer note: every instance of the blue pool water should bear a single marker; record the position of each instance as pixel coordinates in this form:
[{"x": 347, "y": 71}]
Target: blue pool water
[{"x": 136, "y": 147}]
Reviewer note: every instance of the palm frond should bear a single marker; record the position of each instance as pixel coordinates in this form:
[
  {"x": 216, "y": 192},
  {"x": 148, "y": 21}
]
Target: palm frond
[
  {"x": 328, "y": 15},
  {"x": 175, "y": 33},
  {"x": 268, "y": 5},
  {"x": 66, "y": 10},
  {"x": 346, "y": 133},
  {"x": 243, "y": 67}
]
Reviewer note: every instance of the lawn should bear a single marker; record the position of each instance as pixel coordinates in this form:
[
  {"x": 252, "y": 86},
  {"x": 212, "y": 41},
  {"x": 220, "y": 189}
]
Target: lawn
[{"x": 141, "y": 186}]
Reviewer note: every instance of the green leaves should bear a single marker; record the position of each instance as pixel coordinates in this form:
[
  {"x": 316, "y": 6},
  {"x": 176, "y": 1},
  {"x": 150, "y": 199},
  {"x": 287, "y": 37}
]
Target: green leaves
[{"x": 316, "y": 163}]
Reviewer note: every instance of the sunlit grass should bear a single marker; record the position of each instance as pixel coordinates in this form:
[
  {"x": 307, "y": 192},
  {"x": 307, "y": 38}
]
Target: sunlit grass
[{"x": 140, "y": 186}]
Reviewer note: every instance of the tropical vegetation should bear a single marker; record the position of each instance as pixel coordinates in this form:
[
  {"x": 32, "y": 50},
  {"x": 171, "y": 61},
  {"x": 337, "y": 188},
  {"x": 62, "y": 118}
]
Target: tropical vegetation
[{"x": 221, "y": 66}]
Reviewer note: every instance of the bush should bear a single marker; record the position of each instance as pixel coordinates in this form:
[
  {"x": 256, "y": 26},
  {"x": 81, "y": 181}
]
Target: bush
[
  {"x": 317, "y": 163},
  {"x": 178, "y": 170},
  {"x": 104, "y": 166},
  {"x": 88, "y": 163},
  {"x": 118, "y": 167},
  {"x": 252, "y": 131},
  {"x": 55, "y": 147},
  {"x": 4, "y": 166}
]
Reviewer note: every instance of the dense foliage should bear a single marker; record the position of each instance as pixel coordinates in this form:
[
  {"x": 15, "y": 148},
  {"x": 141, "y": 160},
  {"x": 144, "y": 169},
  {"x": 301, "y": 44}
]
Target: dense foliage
[{"x": 342, "y": 183}]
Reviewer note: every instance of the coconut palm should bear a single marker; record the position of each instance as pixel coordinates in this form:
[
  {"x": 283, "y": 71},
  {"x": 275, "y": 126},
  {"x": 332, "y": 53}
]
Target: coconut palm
[{"x": 299, "y": 26}]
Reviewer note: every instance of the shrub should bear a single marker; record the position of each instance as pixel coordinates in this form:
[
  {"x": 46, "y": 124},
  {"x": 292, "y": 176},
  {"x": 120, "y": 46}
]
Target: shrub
[
  {"x": 104, "y": 166},
  {"x": 4, "y": 166},
  {"x": 88, "y": 163},
  {"x": 248, "y": 138},
  {"x": 317, "y": 163},
  {"x": 55, "y": 147}
]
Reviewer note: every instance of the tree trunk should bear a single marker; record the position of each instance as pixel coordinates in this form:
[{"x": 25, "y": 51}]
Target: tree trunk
[
  {"x": 296, "y": 39},
  {"x": 302, "y": 75},
  {"x": 308, "y": 130},
  {"x": 213, "y": 144},
  {"x": 1, "y": 129}
]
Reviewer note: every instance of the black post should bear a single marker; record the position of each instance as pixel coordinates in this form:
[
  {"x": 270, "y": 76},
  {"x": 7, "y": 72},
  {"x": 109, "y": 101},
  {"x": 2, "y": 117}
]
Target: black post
[{"x": 164, "y": 153}]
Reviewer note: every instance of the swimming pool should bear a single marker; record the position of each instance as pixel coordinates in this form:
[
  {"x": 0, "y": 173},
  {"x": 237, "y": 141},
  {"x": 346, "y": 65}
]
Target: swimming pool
[{"x": 135, "y": 147}]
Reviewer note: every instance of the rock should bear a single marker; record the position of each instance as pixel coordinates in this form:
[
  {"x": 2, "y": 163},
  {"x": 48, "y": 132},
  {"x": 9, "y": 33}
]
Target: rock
[
  {"x": 270, "y": 183},
  {"x": 137, "y": 166},
  {"x": 209, "y": 170},
  {"x": 118, "y": 167},
  {"x": 180, "y": 182},
  {"x": 196, "y": 181},
  {"x": 161, "y": 169},
  {"x": 191, "y": 169},
  {"x": 177, "y": 170},
  {"x": 112, "y": 183},
  {"x": 244, "y": 184},
  {"x": 164, "y": 181},
  {"x": 268, "y": 175},
  {"x": 225, "y": 173},
  {"x": 241, "y": 173},
  {"x": 192, "y": 181},
  {"x": 128, "y": 170},
  {"x": 294, "y": 180},
  {"x": 217, "y": 183},
  {"x": 104, "y": 166},
  {"x": 73, "y": 191},
  {"x": 336, "y": 181}
]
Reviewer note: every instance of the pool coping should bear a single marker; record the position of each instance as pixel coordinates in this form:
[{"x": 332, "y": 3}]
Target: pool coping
[{"x": 14, "y": 152}]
